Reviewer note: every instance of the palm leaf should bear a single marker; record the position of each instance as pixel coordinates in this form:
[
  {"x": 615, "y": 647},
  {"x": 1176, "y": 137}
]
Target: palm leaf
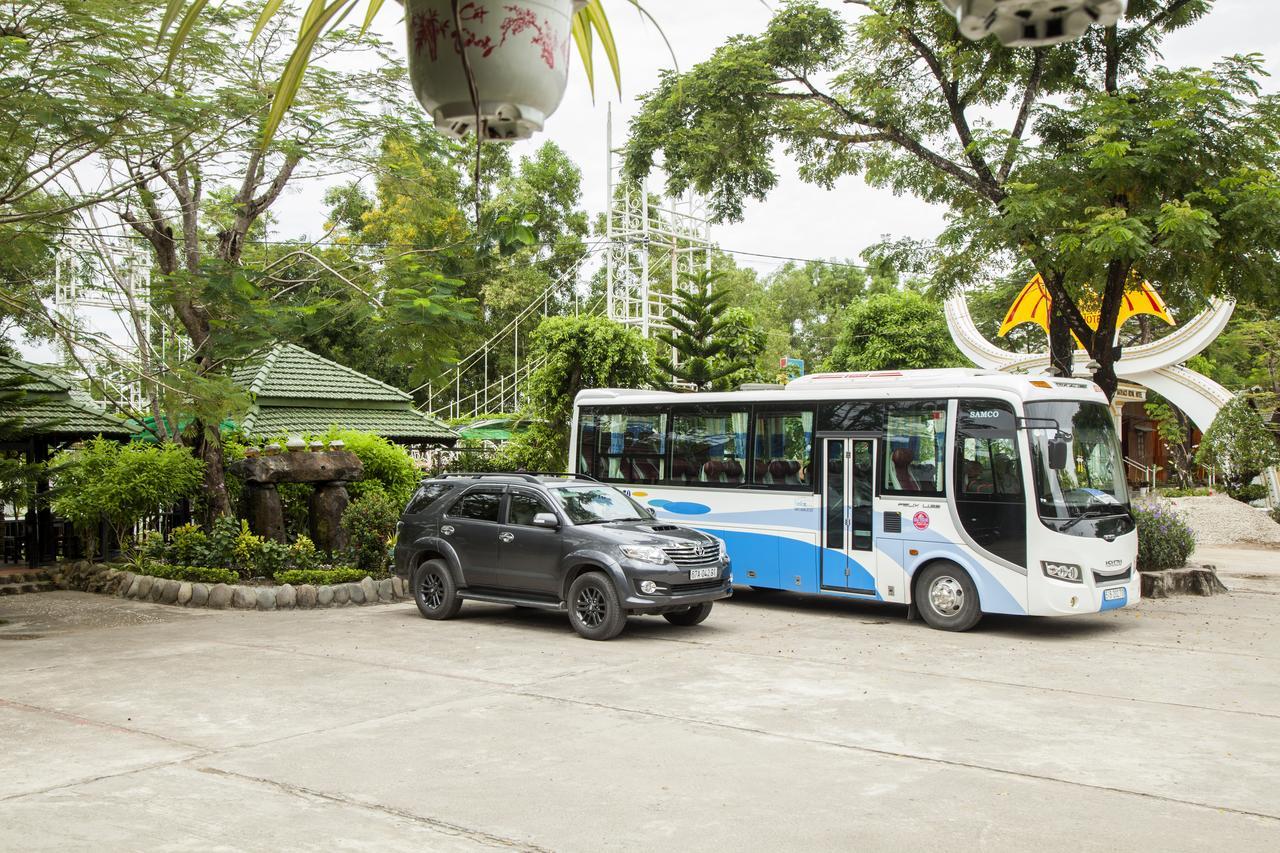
[
  {"x": 291, "y": 78},
  {"x": 581, "y": 29}
]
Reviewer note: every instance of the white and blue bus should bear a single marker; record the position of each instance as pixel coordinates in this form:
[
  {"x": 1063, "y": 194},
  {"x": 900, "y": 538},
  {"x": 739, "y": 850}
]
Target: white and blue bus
[{"x": 956, "y": 492}]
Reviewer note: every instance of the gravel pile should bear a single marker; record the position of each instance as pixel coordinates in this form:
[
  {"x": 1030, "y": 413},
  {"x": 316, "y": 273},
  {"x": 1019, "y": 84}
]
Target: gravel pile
[{"x": 1220, "y": 520}]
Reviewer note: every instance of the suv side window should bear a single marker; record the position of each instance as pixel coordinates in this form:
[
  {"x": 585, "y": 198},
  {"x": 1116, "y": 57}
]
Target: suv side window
[
  {"x": 481, "y": 505},
  {"x": 427, "y": 494},
  {"x": 523, "y": 506}
]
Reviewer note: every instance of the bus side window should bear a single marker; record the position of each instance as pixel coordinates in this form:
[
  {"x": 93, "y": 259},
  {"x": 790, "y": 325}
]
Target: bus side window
[
  {"x": 783, "y": 449},
  {"x": 915, "y": 445},
  {"x": 709, "y": 447},
  {"x": 625, "y": 447}
]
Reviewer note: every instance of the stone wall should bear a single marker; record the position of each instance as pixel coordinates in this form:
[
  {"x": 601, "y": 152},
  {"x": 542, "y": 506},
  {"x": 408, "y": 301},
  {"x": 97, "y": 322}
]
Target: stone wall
[{"x": 100, "y": 578}]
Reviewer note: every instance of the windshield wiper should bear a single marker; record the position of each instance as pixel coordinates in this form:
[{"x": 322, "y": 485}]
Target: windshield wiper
[{"x": 1106, "y": 512}]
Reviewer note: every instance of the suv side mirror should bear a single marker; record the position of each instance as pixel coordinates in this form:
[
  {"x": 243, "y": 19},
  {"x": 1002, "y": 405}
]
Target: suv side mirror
[
  {"x": 1057, "y": 454},
  {"x": 546, "y": 519}
]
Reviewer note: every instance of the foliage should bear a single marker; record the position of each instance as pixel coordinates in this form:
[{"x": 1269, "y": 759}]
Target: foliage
[
  {"x": 746, "y": 344},
  {"x": 188, "y": 545},
  {"x": 388, "y": 467},
  {"x": 370, "y": 522},
  {"x": 575, "y": 353},
  {"x": 894, "y": 331},
  {"x": 303, "y": 554},
  {"x": 1199, "y": 492},
  {"x": 122, "y": 484},
  {"x": 223, "y": 542},
  {"x": 1165, "y": 541},
  {"x": 1130, "y": 168},
  {"x": 322, "y": 577},
  {"x": 1250, "y": 493},
  {"x": 1174, "y": 430},
  {"x": 698, "y": 335},
  {"x": 195, "y": 574},
  {"x": 1247, "y": 353},
  {"x": 1275, "y": 514},
  {"x": 1238, "y": 446}
]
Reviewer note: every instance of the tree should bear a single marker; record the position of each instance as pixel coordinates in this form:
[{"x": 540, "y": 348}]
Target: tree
[
  {"x": 699, "y": 335},
  {"x": 1174, "y": 429},
  {"x": 575, "y": 353},
  {"x": 894, "y": 331},
  {"x": 1129, "y": 168},
  {"x": 746, "y": 343},
  {"x": 1238, "y": 446}
]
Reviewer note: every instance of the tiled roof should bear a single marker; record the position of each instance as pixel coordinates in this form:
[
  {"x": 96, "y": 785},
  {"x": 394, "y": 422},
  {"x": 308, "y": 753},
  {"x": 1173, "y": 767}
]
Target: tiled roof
[
  {"x": 42, "y": 378},
  {"x": 407, "y": 424},
  {"x": 291, "y": 372},
  {"x": 49, "y": 408}
]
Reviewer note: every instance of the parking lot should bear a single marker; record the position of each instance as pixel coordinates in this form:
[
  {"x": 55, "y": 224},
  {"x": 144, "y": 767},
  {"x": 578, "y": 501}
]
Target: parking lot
[{"x": 783, "y": 722}]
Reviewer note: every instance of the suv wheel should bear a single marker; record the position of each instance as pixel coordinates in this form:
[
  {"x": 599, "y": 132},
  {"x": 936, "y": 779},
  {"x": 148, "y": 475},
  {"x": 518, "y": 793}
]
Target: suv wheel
[
  {"x": 690, "y": 615},
  {"x": 947, "y": 598},
  {"x": 435, "y": 592},
  {"x": 595, "y": 611}
]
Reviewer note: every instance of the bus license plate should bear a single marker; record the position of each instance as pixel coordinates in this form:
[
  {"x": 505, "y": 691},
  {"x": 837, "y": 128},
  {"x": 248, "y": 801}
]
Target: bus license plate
[
  {"x": 1116, "y": 594},
  {"x": 702, "y": 574}
]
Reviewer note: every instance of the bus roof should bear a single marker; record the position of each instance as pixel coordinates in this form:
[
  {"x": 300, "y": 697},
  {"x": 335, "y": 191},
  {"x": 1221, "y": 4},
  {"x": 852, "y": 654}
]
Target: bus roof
[{"x": 883, "y": 384}]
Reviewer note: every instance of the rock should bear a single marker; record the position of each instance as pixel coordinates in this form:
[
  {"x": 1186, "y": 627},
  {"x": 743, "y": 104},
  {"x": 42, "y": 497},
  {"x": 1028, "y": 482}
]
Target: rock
[
  {"x": 369, "y": 589},
  {"x": 184, "y": 593},
  {"x": 169, "y": 592},
  {"x": 386, "y": 590},
  {"x": 126, "y": 581},
  {"x": 300, "y": 467},
  {"x": 266, "y": 513},
  {"x": 220, "y": 596},
  {"x": 142, "y": 588},
  {"x": 328, "y": 502},
  {"x": 397, "y": 586},
  {"x": 199, "y": 594},
  {"x": 266, "y": 598},
  {"x": 305, "y": 596},
  {"x": 356, "y": 592},
  {"x": 286, "y": 596},
  {"x": 157, "y": 589},
  {"x": 341, "y": 593},
  {"x": 244, "y": 598},
  {"x": 324, "y": 596},
  {"x": 1192, "y": 580}
]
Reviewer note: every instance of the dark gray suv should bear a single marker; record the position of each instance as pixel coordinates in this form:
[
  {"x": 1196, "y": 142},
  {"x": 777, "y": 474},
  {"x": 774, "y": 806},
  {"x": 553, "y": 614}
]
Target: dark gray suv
[{"x": 558, "y": 542}]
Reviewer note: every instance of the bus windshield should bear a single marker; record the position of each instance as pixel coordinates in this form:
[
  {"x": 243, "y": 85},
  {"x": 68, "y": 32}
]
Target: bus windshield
[{"x": 1092, "y": 485}]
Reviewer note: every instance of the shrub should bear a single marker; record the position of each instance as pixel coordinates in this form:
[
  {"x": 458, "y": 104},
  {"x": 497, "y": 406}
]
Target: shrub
[
  {"x": 188, "y": 545},
  {"x": 1184, "y": 493},
  {"x": 222, "y": 540},
  {"x": 1249, "y": 493},
  {"x": 370, "y": 522},
  {"x": 273, "y": 558},
  {"x": 387, "y": 466},
  {"x": 1164, "y": 539},
  {"x": 195, "y": 574},
  {"x": 122, "y": 483},
  {"x": 321, "y": 577},
  {"x": 1275, "y": 514},
  {"x": 1238, "y": 445},
  {"x": 303, "y": 554}
]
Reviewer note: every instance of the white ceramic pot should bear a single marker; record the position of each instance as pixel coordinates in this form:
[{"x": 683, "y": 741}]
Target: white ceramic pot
[{"x": 519, "y": 52}]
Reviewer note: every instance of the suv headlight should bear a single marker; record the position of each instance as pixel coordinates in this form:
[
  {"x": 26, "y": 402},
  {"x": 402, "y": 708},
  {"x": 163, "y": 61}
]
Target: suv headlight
[
  {"x": 724, "y": 549},
  {"x": 646, "y": 553},
  {"x": 1062, "y": 571}
]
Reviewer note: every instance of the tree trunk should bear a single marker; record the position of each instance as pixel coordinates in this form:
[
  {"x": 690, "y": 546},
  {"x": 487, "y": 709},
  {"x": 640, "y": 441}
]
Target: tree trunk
[
  {"x": 1061, "y": 347},
  {"x": 217, "y": 501}
]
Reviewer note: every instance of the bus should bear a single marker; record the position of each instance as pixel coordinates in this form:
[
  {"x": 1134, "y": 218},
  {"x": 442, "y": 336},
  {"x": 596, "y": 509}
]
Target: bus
[{"x": 956, "y": 492}]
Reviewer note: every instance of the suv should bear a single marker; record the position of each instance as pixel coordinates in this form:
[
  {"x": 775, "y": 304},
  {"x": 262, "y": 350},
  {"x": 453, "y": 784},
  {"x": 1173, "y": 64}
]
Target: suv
[{"x": 557, "y": 542}]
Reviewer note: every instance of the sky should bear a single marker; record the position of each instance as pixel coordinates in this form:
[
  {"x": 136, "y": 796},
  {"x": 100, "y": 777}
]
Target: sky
[{"x": 797, "y": 219}]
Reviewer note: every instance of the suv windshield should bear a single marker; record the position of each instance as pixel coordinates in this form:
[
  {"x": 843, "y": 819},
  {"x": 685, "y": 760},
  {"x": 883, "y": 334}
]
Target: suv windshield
[
  {"x": 1092, "y": 485},
  {"x": 596, "y": 504}
]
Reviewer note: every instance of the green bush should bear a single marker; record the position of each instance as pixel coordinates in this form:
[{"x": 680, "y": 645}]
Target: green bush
[
  {"x": 387, "y": 467},
  {"x": 1184, "y": 493},
  {"x": 195, "y": 574},
  {"x": 1251, "y": 492},
  {"x": 321, "y": 577},
  {"x": 370, "y": 522},
  {"x": 1238, "y": 446},
  {"x": 220, "y": 549},
  {"x": 188, "y": 545},
  {"x": 1164, "y": 539},
  {"x": 1275, "y": 514},
  {"x": 273, "y": 558},
  {"x": 303, "y": 554}
]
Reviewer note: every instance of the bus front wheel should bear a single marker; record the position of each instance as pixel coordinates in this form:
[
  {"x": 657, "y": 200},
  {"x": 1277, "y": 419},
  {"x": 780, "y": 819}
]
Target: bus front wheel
[{"x": 946, "y": 598}]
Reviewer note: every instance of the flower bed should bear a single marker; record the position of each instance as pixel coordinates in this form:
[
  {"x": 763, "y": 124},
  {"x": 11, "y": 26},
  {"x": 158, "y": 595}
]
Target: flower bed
[{"x": 122, "y": 582}]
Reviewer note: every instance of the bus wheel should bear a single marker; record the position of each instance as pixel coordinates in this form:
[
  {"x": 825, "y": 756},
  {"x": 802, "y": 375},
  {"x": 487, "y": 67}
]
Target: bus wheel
[{"x": 947, "y": 598}]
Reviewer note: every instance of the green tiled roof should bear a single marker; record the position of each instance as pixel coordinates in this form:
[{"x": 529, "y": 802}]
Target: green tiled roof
[
  {"x": 290, "y": 371},
  {"x": 49, "y": 408},
  {"x": 406, "y": 424},
  {"x": 295, "y": 391}
]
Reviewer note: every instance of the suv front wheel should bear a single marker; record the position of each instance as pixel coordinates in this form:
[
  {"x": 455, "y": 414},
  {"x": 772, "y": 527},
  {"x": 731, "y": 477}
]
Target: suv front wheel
[
  {"x": 595, "y": 611},
  {"x": 435, "y": 592}
]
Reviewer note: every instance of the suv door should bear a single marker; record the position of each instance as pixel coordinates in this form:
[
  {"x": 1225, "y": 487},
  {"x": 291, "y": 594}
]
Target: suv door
[
  {"x": 471, "y": 527},
  {"x": 531, "y": 555}
]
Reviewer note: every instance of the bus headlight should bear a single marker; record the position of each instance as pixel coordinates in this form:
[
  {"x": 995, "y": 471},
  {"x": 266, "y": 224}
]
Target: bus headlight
[
  {"x": 646, "y": 554},
  {"x": 1062, "y": 571}
]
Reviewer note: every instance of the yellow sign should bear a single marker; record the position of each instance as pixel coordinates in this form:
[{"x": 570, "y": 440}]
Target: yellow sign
[{"x": 1032, "y": 306}]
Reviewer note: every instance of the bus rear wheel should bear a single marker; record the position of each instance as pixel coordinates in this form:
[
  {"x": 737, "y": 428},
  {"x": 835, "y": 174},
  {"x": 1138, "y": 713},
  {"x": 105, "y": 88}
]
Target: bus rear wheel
[{"x": 946, "y": 598}]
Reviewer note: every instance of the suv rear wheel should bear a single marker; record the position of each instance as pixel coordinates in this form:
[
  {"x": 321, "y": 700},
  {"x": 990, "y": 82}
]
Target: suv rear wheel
[
  {"x": 693, "y": 615},
  {"x": 595, "y": 611},
  {"x": 435, "y": 592}
]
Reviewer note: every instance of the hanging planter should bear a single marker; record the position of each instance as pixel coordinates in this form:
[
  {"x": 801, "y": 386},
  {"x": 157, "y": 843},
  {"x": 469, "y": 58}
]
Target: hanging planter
[{"x": 518, "y": 52}]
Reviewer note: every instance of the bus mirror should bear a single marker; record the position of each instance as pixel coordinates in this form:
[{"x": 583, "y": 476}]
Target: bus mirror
[{"x": 1057, "y": 454}]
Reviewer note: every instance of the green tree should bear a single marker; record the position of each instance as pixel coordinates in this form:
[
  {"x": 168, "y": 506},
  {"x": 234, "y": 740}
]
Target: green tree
[
  {"x": 1238, "y": 446},
  {"x": 894, "y": 331},
  {"x": 746, "y": 344},
  {"x": 1174, "y": 429},
  {"x": 575, "y": 353},
  {"x": 1129, "y": 168},
  {"x": 699, "y": 335}
]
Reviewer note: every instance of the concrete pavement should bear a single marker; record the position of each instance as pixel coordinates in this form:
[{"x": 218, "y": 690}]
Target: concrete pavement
[{"x": 783, "y": 722}]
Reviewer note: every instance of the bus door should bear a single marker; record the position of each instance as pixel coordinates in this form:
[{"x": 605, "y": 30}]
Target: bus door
[{"x": 848, "y": 552}]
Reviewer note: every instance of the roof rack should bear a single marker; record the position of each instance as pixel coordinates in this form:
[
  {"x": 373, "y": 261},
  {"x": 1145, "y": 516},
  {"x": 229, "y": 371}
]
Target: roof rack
[{"x": 527, "y": 476}]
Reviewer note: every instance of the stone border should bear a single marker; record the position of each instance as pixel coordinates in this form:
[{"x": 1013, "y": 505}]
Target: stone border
[{"x": 101, "y": 578}]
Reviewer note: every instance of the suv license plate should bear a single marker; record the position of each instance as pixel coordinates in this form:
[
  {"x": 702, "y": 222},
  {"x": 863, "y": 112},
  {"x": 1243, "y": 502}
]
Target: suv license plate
[
  {"x": 1115, "y": 594},
  {"x": 702, "y": 574}
]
